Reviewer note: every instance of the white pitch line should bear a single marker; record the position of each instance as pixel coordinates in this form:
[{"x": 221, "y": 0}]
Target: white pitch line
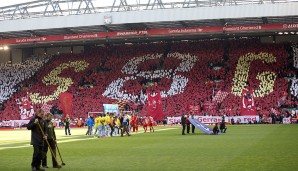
[{"x": 77, "y": 139}]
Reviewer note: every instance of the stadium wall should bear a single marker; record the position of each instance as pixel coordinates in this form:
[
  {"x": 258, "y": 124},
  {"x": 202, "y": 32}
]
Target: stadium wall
[
  {"x": 4, "y": 56},
  {"x": 17, "y": 55}
]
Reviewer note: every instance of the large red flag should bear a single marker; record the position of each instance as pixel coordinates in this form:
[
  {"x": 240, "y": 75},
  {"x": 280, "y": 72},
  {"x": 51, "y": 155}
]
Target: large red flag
[
  {"x": 66, "y": 103},
  {"x": 154, "y": 107},
  {"x": 248, "y": 104}
]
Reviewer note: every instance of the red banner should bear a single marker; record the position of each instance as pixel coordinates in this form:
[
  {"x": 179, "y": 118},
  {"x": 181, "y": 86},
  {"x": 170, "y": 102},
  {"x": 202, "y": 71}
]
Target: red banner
[
  {"x": 248, "y": 106},
  {"x": 66, "y": 103},
  {"x": 154, "y": 107},
  {"x": 155, "y": 32}
]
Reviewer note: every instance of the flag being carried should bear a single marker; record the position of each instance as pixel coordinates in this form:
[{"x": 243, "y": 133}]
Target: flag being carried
[
  {"x": 66, "y": 103},
  {"x": 154, "y": 107}
]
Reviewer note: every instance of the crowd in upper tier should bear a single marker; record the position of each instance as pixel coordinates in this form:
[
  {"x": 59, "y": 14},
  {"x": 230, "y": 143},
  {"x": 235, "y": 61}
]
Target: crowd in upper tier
[{"x": 185, "y": 73}]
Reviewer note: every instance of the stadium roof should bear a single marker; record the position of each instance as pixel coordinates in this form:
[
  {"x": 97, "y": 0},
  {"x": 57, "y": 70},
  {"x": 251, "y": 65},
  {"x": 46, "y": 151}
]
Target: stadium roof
[
  {"x": 44, "y": 8},
  {"x": 63, "y": 8}
]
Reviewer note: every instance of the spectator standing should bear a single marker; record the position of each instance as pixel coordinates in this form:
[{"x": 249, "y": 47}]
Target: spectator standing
[
  {"x": 37, "y": 139},
  {"x": 51, "y": 138},
  {"x": 183, "y": 123},
  {"x": 67, "y": 125},
  {"x": 90, "y": 124},
  {"x": 187, "y": 124}
]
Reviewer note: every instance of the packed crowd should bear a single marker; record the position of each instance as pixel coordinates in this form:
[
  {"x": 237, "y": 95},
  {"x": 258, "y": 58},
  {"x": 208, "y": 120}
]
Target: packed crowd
[
  {"x": 13, "y": 74},
  {"x": 185, "y": 73}
]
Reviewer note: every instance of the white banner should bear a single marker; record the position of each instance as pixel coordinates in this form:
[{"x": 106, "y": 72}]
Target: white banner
[
  {"x": 286, "y": 121},
  {"x": 216, "y": 119},
  {"x": 13, "y": 123},
  {"x": 295, "y": 56},
  {"x": 294, "y": 87}
]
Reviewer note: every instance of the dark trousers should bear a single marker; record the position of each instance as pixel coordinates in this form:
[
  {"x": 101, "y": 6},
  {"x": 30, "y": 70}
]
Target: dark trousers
[
  {"x": 45, "y": 150},
  {"x": 193, "y": 128},
  {"x": 67, "y": 129},
  {"x": 37, "y": 156},
  {"x": 183, "y": 129},
  {"x": 112, "y": 130},
  {"x": 124, "y": 129},
  {"x": 89, "y": 131},
  {"x": 223, "y": 130},
  {"x": 215, "y": 131},
  {"x": 187, "y": 128}
]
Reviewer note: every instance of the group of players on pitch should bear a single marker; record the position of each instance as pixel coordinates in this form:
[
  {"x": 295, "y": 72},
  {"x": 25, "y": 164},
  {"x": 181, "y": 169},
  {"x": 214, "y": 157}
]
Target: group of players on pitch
[{"x": 108, "y": 125}]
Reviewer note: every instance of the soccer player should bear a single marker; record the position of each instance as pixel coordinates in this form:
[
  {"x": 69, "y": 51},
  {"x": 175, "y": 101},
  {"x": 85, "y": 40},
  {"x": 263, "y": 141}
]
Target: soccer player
[
  {"x": 134, "y": 123},
  {"x": 145, "y": 124},
  {"x": 96, "y": 124},
  {"x": 151, "y": 122}
]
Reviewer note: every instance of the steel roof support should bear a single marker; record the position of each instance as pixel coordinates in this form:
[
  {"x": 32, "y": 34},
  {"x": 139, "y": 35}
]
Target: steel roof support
[
  {"x": 158, "y": 3},
  {"x": 88, "y": 9},
  {"x": 122, "y": 4},
  {"x": 55, "y": 5}
]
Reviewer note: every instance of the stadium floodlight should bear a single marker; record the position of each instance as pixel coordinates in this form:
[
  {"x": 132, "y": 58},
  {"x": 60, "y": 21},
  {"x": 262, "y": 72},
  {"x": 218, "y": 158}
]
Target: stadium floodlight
[
  {"x": 286, "y": 33},
  {"x": 5, "y": 47},
  {"x": 280, "y": 33}
]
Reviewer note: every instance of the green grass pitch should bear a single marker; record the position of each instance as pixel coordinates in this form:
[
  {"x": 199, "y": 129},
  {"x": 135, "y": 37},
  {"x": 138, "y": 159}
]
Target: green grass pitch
[{"x": 243, "y": 147}]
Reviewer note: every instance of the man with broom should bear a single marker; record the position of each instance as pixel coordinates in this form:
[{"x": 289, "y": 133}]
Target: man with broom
[{"x": 51, "y": 138}]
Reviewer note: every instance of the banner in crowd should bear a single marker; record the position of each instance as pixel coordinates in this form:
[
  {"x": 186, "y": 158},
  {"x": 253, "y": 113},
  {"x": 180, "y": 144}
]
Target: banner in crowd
[
  {"x": 216, "y": 119},
  {"x": 286, "y": 121},
  {"x": 194, "y": 108},
  {"x": 220, "y": 96},
  {"x": 209, "y": 106},
  {"x": 282, "y": 100},
  {"x": 294, "y": 87},
  {"x": 154, "y": 107},
  {"x": 111, "y": 108},
  {"x": 66, "y": 103},
  {"x": 13, "y": 123},
  {"x": 295, "y": 57},
  {"x": 247, "y": 103},
  {"x": 25, "y": 107},
  {"x": 46, "y": 108}
]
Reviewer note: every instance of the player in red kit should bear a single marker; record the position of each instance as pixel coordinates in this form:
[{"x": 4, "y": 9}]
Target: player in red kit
[
  {"x": 134, "y": 123},
  {"x": 145, "y": 124},
  {"x": 151, "y": 121}
]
